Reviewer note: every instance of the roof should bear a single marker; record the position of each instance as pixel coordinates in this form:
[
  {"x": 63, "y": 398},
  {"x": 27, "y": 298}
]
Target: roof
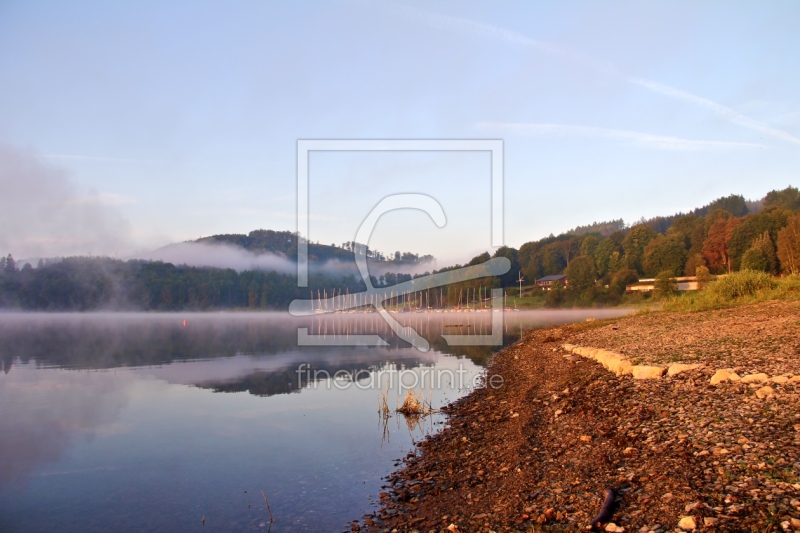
[{"x": 554, "y": 277}]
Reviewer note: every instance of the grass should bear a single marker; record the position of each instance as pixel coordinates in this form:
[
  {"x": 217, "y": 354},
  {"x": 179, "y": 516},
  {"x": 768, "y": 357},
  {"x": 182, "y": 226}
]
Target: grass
[{"x": 743, "y": 287}]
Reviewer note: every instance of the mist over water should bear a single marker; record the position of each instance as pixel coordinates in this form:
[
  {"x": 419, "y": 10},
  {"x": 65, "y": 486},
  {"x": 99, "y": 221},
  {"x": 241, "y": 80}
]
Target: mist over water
[{"x": 148, "y": 422}]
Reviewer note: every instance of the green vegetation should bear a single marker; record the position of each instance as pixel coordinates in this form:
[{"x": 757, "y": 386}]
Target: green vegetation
[
  {"x": 743, "y": 287},
  {"x": 599, "y": 261}
]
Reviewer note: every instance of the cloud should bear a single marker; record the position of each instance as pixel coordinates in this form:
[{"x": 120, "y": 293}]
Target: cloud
[
  {"x": 43, "y": 213},
  {"x": 722, "y": 111},
  {"x": 502, "y": 34},
  {"x": 635, "y": 138}
]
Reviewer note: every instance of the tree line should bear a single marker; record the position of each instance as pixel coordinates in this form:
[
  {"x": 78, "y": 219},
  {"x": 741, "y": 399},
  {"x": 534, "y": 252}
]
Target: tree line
[{"x": 599, "y": 260}]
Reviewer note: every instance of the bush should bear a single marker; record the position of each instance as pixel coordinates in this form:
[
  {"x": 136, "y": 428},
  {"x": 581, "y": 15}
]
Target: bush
[
  {"x": 665, "y": 284},
  {"x": 742, "y": 283},
  {"x": 745, "y": 286},
  {"x": 555, "y": 296}
]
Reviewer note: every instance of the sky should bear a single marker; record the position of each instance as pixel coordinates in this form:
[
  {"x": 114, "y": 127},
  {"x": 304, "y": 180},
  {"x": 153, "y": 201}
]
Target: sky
[{"x": 126, "y": 126}]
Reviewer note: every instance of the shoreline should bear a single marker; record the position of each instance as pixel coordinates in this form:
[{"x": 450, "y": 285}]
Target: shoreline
[{"x": 539, "y": 453}]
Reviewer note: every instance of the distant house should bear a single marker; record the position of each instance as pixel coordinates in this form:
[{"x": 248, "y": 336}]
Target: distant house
[
  {"x": 686, "y": 283},
  {"x": 546, "y": 282}
]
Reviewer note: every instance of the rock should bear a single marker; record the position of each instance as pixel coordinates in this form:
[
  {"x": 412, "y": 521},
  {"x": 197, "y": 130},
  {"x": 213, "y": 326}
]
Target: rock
[
  {"x": 629, "y": 451},
  {"x": 676, "y": 368},
  {"x": 765, "y": 392},
  {"x": 796, "y": 523},
  {"x": 779, "y": 379},
  {"x": 647, "y": 372},
  {"x": 755, "y": 378},
  {"x": 795, "y": 379},
  {"x": 687, "y": 523},
  {"x": 611, "y": 527},
  {"x": 709, "y": 521},
  {"x": 586, "y": 438},
  {"x": 724, "y": 375}
]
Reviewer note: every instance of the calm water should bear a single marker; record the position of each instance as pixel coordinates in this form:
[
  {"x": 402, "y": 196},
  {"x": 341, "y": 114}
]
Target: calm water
[{"x": 137, "y": 422}]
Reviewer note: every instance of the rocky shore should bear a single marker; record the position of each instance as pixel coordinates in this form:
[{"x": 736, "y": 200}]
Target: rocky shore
[{"x": 673, "y": 452}]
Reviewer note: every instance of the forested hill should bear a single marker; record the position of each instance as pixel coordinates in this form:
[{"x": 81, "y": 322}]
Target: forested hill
[
  {"x": 599, "y": 260},
  {"x": 285, "y": 243}
]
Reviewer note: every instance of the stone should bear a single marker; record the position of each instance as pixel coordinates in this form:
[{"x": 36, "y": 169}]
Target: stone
[
  {"x": 710, "y": 521},
  {"x": 586, "y": 438},
  {"x": 755, "y": 378},
  {"x": 647, "y": 372},
  {"x": 621, "y": 367},
  {"x": 687, "y": 523},
  {"x": 677, "y": 368},
  {"x": 796, "y": 523},
  {"x": 724, "y": 375},
  {"x": 611, "y": 527},
  {"x": 779, "y": 379},
  {"x": 765, "y": 392},
  {"x": 795, "y": 379}
]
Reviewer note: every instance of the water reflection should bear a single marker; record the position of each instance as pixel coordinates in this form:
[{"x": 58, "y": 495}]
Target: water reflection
[{"x": 137, "y": 422}]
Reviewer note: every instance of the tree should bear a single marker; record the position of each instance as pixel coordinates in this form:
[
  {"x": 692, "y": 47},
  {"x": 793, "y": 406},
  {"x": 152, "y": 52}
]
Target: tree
[
  {"x": 581, "y": 275},
  {"x": 634, "y": 244},
  {"x": 789, "y": 246},
  {"x": 769, "y": 220},
  {"x": 509, "y": 278},
  {"x": 694, "y": 262},
  {"x": 621, "y": 279},
  {"x": 715, "y": 249},
  {"x": 734, "y": 204},
  {"x": 665, "y": 253},
  {"x": 753, "y": 259},
  {"x": 555, "y": 296},
  {"x": 764, "y": 244},
  {"x": 603, "y": 256},
  {"x": 703, "y": 277},
  {"x": 589, "y": 245},
  {"x": 11, "y": 265},
  {"x": 567, "y": 247},
  {"x": 665, "y": 284},
  {"x": 788, "y": 198},
  {"x": 684, "y": 229},
  {"x": 552, "y": 259}
]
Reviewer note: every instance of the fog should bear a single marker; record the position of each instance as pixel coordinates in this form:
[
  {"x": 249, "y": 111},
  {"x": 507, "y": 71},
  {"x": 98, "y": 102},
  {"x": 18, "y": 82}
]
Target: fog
[
  {"x": 43, "y": 213},
  {"x": 222, "y": 255}
]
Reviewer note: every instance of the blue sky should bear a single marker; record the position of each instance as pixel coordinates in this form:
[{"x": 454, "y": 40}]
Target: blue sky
[{"x": 164, "y": 121}]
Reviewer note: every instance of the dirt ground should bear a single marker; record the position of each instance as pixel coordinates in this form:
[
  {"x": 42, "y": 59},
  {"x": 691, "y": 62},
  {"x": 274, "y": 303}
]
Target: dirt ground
[{"x": 540, "y": 452}]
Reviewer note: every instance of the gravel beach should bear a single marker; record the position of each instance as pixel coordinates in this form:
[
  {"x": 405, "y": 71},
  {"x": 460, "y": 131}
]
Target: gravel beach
[{"x": 671, "y": 453}]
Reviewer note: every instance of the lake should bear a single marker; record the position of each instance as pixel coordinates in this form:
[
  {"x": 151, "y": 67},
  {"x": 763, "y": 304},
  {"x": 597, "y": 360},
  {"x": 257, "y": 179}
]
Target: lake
[{"x": 152, "y": 422}]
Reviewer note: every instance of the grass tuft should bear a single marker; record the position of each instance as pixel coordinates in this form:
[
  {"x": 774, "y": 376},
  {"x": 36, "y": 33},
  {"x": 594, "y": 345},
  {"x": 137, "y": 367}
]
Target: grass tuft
[{"x": 743, "y": 287}]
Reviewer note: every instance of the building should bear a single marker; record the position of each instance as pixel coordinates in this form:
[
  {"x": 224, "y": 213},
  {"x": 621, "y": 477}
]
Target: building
[
  {"x": 686, "y": 283},
  {"x": 546, "y": 282}
]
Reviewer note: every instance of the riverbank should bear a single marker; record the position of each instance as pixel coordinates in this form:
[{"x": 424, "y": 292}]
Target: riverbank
[{"x": 539, "y": 453}]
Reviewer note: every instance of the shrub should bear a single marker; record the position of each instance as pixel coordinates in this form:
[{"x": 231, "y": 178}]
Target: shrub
[
  {"x": 740, "y": 284},
  {"x": 665, "y": 284}
]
